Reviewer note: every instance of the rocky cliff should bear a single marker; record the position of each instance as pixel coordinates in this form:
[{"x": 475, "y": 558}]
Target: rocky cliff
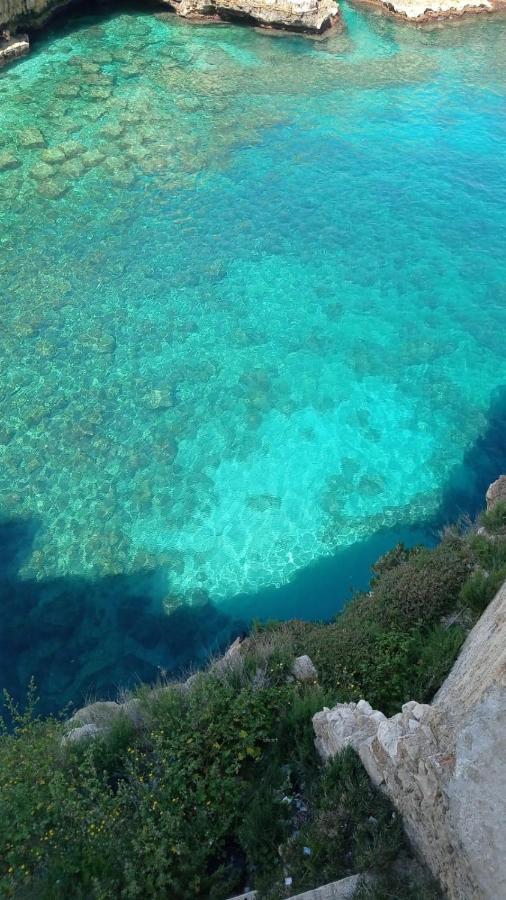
[
  {"x": 29, "y": 13},
  {"x": 444, "y": 765},
  {"x": 311, "y": 16}
]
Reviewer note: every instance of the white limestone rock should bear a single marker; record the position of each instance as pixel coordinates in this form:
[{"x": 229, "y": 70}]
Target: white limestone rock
[
  {"x": 304, "y": 671},
  {"x": 311, "y": 16},
  {"x": 425, "y": 11},
  {"x": 81, "y": 734}
]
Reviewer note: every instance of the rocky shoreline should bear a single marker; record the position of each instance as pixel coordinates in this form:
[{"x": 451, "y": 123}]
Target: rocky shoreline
[
  {"x": 310, "y": 17},
  {"x": 426, "y": 12}
]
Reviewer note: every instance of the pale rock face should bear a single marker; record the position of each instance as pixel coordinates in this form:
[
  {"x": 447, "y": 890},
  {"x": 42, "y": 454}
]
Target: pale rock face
[
  {"x": 496, "y": 492},
  {"x": 304, "y": 671},
  {"x": 81, "y": 734},
  {"x": 33, "y": 12},
  {"x": 99, "y": 714},
  {"x": 295, "y": 15},
  {"x": 422, "y": 11},
  {"x": 311, "y": 16},
  {"x": 477, "y": 800},
  {"x": 444, "y": 765},
  {"x": 13, "y": 48}
]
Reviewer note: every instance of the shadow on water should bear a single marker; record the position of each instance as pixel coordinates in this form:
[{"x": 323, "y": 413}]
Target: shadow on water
[{"x": 80, "y": 637}]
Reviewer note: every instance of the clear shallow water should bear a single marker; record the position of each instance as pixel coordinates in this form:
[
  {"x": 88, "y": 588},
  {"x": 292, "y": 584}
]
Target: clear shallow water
[{"x": 253, "y": 306}]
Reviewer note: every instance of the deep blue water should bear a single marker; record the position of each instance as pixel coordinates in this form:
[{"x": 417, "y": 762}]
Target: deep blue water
[{"x": 253, "y": 306}]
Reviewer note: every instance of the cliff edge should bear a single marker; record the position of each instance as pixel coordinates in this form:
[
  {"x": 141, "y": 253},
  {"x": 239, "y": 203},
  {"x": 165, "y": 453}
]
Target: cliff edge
[{"x": 443, "y": 764}]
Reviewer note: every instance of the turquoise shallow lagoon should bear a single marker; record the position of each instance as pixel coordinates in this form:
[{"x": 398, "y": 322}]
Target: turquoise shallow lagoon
[{"x": 252, "y": 330}]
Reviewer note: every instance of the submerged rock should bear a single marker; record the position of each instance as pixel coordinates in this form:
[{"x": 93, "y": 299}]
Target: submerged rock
[
  {"x": 8, "y": 161},
  {"x": 31, "y": 138}
]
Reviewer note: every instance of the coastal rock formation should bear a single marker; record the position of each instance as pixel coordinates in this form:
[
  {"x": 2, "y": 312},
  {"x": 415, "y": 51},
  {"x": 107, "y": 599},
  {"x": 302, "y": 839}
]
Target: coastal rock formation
[
  {"x": 308, "y": 16},
  {"x": 496, "y": 493},
  {"x": 422, "y": 12},
  {"x": 311, "y": 16},
  {"x": 13, "y": 47},
  {"x": 33, "y": 13},
  {"x": 443, "y": 765}
]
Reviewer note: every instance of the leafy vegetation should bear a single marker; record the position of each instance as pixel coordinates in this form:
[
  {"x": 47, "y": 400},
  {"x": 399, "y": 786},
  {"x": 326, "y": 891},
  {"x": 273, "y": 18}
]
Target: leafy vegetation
[{"x": 222, "y": 788}]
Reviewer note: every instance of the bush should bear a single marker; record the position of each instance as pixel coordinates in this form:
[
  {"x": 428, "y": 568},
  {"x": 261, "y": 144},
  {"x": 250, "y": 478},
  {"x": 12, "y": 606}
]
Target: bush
[
  {"x": 481, "y": 588},
  {"x": 427, "y": 585},
  {"x": 353, "y": 828},
  {"x": 494, "y": 520},
  {"x": 223, "y": 786},
  {"x": 397, "y": 555}
]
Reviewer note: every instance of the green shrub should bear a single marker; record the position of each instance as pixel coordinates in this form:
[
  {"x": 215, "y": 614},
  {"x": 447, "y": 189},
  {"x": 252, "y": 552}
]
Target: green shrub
[
  {"x": 397, "y": 555},
  {"x": 424, "y": 587},
  {"x": 481, "y": 588},
  {"x": 223, "y": 786},
  {"x": 353, "y": 827},
  {"x": 494, "y": 520},
  {"x": 489, "y": 554}
]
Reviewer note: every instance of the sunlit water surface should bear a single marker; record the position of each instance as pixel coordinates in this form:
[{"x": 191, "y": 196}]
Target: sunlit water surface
[{"x": 253, "y": 312}]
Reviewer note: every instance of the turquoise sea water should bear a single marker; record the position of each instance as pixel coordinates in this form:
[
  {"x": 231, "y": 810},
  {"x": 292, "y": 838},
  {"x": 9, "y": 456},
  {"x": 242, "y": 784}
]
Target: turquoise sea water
[{"x": 253, "y": 311}]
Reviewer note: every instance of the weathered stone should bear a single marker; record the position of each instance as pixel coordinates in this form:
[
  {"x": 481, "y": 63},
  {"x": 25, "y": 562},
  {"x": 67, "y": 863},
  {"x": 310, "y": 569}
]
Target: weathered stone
[
  {"x": 71, "y": 149},
  {"x": 496, "y": 492},
  {"x": 100, "y": 714},
  {"x": 422, "y": 11},
  {"x": 52, "y": 189},
  {"x": 41, "y": 171},
  {"x": 443, "y": 765},
  {"x": 80, "y": 734},
  {"x": 52, "y": 155},
  {"x": 13, "y": 47},
  {"x": 91, "y": 158},
  {"x": 31, "y": 138},
  {"x": 304, "y": 671},
  {"x": 8, "y": 161},
  {"x": 295, "y": 15}
]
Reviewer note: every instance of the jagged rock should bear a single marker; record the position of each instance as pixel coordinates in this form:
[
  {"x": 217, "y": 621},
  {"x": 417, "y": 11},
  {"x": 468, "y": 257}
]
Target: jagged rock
[
  {"x": 8, "y": 161},
  {"x": 442, "y": 765},
  {"x": 13, "y": 48},
  {"x": 296, "y": 15},
  {"x": 304, "y": 671},
  {"x": 31, "y": 138},
  {"x": 496, "y": 492},
  {"x": 312, "y": 16},
  {"x": 100, "y": 714},
  {"x": 422, "y": 11},
  {"x": 78, "y": 735}
]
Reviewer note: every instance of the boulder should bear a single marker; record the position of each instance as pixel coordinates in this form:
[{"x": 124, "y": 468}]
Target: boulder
[
  {"x": 80, "y": 735},
  {"x": 13, "y": 47},
  {"x": 496, "y": 492},
  {"x": 304, "y": 671},
  {"x": 100, "y": 714}
]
